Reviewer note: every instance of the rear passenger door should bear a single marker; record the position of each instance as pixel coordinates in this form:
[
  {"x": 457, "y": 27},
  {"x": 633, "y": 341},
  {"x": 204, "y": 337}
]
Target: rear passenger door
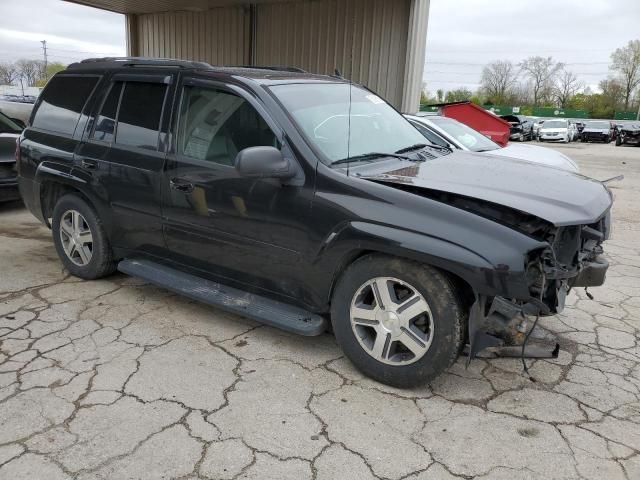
[{"x": 124, "y": 153}]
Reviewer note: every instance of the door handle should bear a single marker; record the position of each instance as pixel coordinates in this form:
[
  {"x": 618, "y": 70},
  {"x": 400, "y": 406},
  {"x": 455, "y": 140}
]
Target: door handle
[
  {"x": 90, "y": 164},
  {"x": 181, "y": 185}
]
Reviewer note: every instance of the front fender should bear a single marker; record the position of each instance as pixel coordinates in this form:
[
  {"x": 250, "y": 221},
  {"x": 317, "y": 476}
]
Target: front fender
[{"x": 483, "y": 276}]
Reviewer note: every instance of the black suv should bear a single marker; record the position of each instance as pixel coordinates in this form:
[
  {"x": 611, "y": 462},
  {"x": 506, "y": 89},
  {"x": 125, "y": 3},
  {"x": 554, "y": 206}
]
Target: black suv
[
  {"x": 304, "y": 201},
  {"x": 521, "y": 127}
]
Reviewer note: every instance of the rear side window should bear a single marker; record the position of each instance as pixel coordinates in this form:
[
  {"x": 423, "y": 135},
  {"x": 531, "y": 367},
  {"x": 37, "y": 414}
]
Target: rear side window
[
  {"x": 61, "y": 103},
  {"x": 139, "y": 114},
  {"x": 106, "y": 123}
]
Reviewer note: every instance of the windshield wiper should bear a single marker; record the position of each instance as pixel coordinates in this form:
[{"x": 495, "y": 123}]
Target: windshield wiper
[
  {"x": 370, "y": 156},
  {"x": 420, "y": 146}
]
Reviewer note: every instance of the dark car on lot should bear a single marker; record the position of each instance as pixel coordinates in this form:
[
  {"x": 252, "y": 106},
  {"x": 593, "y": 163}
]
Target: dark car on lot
[
  {"x": 628, "y": 134},
  {"x": 9, "y": 133},
  {"x": 598, "y": 131},
  {"x": 521, "y": 127},
  {"x": 298, "y": 200}
]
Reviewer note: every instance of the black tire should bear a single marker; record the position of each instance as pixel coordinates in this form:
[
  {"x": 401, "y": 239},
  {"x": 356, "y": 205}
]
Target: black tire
[
  {"x": 101, "y": 263},
  {"x": 618, "y": 141},
  {"x": 448, "y": 316},
  {"x": 607, "y": 139}
]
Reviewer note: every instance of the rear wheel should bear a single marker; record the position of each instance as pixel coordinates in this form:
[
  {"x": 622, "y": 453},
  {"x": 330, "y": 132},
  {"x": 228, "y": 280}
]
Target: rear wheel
[
  {"x": 80, "y": 239},
  {"x": 399, "y": 322}
]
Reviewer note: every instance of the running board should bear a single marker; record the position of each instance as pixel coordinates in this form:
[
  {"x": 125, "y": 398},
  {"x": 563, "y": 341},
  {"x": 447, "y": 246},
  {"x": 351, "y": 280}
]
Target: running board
[{"x": 264, "y": 310}]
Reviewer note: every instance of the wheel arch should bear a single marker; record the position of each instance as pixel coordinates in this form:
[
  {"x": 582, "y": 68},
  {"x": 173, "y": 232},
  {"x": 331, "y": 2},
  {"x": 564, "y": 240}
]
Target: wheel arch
[
  {"x": 56, "y": 181},
  {"x": 453, "y": 260}
]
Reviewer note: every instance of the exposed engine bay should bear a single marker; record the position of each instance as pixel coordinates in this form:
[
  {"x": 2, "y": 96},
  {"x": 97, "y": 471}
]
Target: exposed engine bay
[{"x": 573, "y": 258}]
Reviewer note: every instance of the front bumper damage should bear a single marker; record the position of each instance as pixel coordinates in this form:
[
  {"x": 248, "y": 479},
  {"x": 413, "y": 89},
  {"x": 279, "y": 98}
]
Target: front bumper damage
[{"x": 573, "y": 258}]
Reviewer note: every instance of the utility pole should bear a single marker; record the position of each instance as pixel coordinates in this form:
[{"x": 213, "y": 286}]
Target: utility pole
[{"x": 44, "y": 50}]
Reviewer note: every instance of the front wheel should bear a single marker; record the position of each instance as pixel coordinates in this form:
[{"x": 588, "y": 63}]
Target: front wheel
[
  {"x": 607, "y": 139},
  {"x": 618, "y": 141},
  {"x": 80, "y": 239},
  {"x": 400, "y": 322}
]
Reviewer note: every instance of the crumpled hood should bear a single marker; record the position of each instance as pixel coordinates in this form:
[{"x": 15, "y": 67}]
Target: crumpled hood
[
  {"x": 557, "y": 196},
  {"x": 595, "y": 130}
]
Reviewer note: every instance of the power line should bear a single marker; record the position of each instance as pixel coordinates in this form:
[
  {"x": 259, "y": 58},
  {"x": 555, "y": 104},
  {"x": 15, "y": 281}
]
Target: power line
[{"x": 83, "y": 51}]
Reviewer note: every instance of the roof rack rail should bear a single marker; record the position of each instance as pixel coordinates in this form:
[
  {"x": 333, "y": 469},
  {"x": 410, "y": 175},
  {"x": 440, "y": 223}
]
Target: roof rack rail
[
  {"x": 137, "y": 61},
  {"x": 275, "y": 68}
]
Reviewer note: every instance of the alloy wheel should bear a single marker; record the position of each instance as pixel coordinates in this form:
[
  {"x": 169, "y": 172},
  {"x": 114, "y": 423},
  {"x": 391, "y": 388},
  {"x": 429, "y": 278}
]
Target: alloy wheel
[
  {"x": 76, "y": 237},
  {"x": 392, "y": 321}
]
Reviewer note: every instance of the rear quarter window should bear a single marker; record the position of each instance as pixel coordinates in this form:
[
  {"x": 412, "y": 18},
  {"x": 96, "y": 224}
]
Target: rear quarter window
[{"x": 62, "y": 101}]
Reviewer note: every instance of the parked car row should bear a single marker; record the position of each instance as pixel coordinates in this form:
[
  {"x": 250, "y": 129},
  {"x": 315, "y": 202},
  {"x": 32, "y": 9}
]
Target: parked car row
[
  {"x": 19, "y": 98},
  {"x": 566, "y": 130}
]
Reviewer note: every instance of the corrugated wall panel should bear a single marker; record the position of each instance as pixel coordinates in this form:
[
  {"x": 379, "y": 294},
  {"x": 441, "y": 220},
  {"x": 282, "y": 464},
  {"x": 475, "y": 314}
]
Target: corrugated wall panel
[
  {"x": 365, "y": 39},
  {"x": 219, "y": 36}
]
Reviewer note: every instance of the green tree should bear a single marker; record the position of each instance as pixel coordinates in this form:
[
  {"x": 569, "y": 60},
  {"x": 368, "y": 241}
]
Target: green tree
[
  {"x": 625, "y": 62},
  {"x": 458, "y": 95},
  {"x": 52, "y": 69}
]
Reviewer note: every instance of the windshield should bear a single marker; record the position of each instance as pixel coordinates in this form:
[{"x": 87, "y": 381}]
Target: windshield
[
  {"x": 323, "y": 113},
  {"x": 467, "y": 136},
  {"x": 7, "y": 125},
  {"x": 554, "y": 124},
  {"x": 603, "y": 125}
]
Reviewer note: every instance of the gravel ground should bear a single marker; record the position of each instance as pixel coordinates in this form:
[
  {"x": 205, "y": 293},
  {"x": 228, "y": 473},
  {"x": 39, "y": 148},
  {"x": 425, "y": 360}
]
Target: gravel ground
[{"x": 116, "y": 379}]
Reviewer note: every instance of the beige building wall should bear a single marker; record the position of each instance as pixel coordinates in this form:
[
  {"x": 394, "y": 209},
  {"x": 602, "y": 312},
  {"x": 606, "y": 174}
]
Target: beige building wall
[
  {"x": 370, "y": 41},
  {"x": 219, "y": 36},
  {"x": 365, "y": 39}
]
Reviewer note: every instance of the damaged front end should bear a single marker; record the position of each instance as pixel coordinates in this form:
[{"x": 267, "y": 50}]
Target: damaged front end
[{"x": 572, "y": 258}]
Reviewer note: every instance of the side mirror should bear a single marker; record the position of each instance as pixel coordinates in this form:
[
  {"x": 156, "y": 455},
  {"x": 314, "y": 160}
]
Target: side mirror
[{"x": 263, "y": 162}]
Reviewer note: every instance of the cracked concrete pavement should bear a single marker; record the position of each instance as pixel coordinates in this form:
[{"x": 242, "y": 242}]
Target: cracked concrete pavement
[{"x": 115, "y": 379}]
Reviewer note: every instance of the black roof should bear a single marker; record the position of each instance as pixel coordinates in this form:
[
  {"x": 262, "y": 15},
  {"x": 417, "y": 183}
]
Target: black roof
[{"x": 262, "y": 74}]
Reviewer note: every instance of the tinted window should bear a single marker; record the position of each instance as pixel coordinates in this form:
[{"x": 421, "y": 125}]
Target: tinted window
[
  {"x": 106, "y": 123},
  {"x": 61, "y": 103},
  {"x": 215, "y": 126},
  {"x": 139, "y": 115}
]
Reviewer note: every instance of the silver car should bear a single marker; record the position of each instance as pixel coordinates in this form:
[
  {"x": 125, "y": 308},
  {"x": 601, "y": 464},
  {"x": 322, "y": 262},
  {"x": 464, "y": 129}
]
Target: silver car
[{"x": 447, "y": 132}]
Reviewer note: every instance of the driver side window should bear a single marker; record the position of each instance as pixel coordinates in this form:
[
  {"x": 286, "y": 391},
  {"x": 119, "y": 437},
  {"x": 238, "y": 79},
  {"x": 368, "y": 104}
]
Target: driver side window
[{"x": 215, "y": 125}]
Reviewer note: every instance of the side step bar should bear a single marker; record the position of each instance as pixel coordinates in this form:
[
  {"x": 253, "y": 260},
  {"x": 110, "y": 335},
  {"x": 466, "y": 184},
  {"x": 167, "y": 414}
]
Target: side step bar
[{"x": 264, "y": 310}]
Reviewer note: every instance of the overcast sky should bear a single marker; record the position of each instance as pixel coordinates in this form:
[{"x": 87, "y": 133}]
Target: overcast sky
[{"x": 463, "y": 35}]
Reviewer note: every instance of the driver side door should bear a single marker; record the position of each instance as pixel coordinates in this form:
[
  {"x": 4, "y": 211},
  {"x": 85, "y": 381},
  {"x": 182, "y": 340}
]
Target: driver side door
[{"x": 239, "y": 231}]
